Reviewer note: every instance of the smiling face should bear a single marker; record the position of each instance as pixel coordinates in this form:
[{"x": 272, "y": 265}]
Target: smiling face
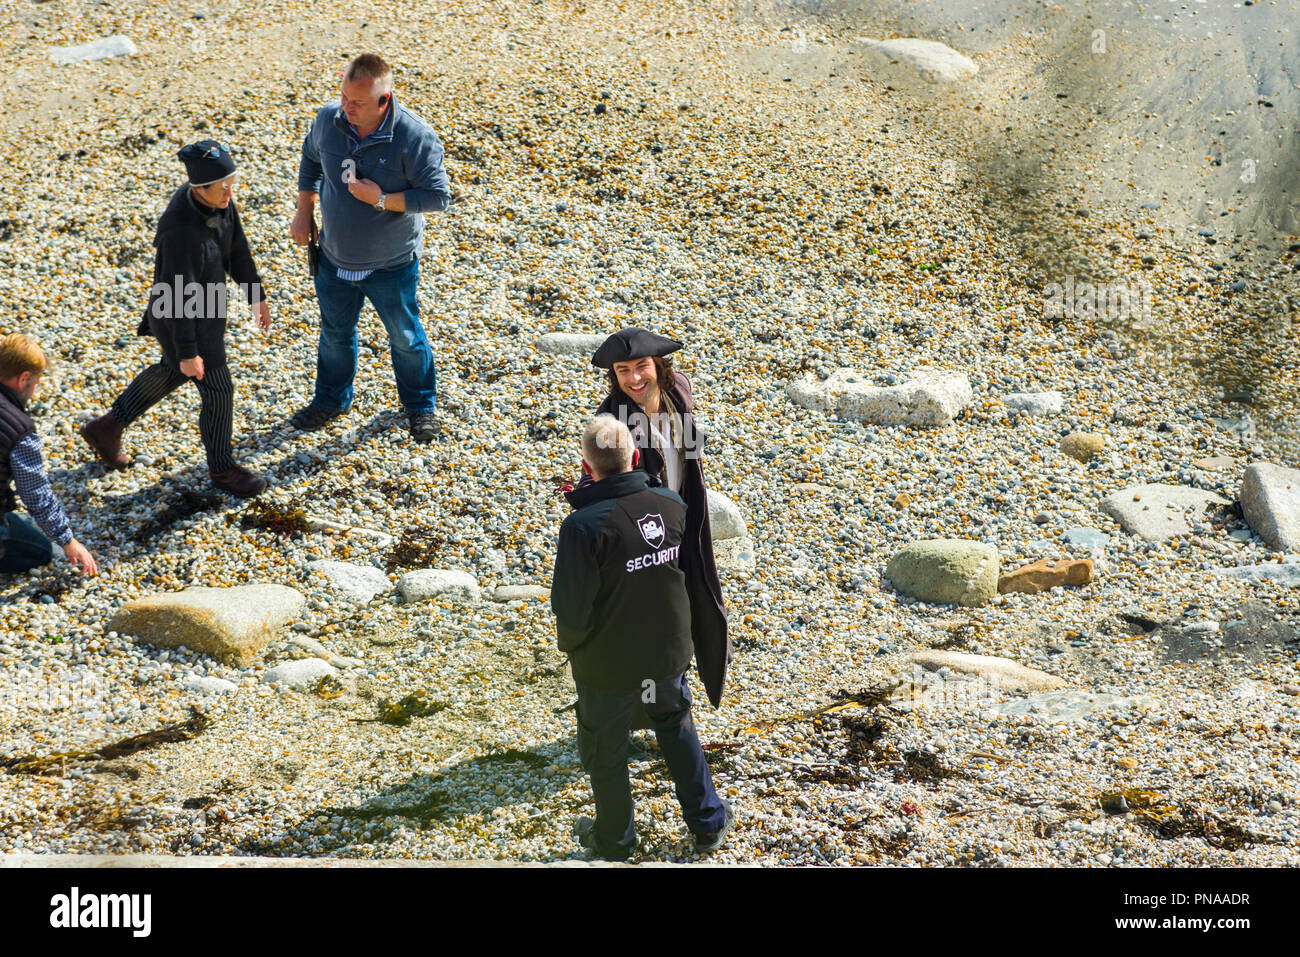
[{"x": 639, "y": 380}]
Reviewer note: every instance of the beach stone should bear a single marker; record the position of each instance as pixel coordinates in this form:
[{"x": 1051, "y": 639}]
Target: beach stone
[
  {"x": 945, "y": 571},
  {"x": 935, "y": 62},
  {"x": 725, "y": 520},
  {"x": 570, "y": 344},
  {"x": 1002, "y": 673},
  {"x": 1082, "y": 446},
  {"x": 298, "y": 675},
  {"x": 1214, "y": 463},
  {"x": 320, "y": 651},
  {"x": 1093, "y": 538},
  {"x": 932, "y": 399},
  {"x": 1286, "y": 574},
  {"x": 230, "y": 624},
  {"x": 101, "y": 49},
  {"x": 1071, "y": 705},
  {"x": 1156, "y": 512},
  {"x": 359, "y": 582},
  {"x": 735, "y": 555},
  {"x": 426, "y": 583},
  {"x": 1270, "y": 502},
  {"x": 520, "y": 593},
  {"x": 1035, "y": 403},
  {"x": 1047, "y": 573},
  {"x": 210, "y": 684}
]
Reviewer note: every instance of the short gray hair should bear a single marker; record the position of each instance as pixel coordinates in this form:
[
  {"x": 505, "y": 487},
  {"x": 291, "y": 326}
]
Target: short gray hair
[{"x": 607, "y": 446}]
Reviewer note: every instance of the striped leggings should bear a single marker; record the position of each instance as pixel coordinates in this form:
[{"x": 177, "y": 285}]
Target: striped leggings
[{"x": 216, "y": 414}]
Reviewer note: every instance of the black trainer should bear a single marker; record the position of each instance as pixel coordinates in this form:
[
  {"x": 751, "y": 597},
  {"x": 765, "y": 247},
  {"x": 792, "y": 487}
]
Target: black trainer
[
  {"x": 424, "y": 427},
  {"x": 585, "y": 829},
  {"x": 313, "y": 417},
  {"x": 711, "y": 842}
]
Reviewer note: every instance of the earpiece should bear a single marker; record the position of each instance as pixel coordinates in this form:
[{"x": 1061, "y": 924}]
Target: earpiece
[{"x": 383, "y": 100}]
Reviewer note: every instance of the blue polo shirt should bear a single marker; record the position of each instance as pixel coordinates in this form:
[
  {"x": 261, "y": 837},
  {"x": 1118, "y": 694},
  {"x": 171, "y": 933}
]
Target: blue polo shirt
[{"x": 403, "y": 155}]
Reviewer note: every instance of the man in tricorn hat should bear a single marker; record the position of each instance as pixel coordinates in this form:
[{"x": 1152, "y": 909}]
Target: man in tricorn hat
[
  {"x": 655, "y": 402},
  {"x": 200, "y": 241}
]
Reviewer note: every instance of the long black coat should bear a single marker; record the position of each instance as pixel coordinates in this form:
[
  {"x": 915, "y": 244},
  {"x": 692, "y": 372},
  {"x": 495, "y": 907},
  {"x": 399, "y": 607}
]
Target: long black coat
[{"x": 708, "y": 613}]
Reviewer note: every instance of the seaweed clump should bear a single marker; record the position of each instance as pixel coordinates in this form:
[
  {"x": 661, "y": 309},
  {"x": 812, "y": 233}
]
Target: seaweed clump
[{"x": 277, "y": 519}]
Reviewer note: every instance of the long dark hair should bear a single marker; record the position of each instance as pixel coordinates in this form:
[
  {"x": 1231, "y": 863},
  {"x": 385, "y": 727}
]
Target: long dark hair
[{"x": 664, "y": 368}]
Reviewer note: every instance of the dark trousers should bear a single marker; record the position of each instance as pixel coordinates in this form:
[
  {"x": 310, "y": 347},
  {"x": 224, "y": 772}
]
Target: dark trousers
[
  {"x": 216, "y": 395},
  {"x": 603, "y": 720},
  {"x": 22, "y": 545}
]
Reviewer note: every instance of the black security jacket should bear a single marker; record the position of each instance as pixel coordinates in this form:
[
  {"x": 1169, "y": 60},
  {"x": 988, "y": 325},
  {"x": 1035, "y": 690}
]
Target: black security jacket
[{"x": 619, "y": 595}]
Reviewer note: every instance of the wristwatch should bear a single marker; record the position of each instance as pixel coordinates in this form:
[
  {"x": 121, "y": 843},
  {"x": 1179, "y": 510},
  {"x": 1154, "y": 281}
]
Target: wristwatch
[{"x": 379, "y": 204}]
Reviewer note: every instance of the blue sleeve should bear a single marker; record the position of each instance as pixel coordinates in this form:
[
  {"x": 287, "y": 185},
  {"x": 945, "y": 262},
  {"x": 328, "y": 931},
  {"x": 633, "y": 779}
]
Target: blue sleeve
[
  {"x": 310, "y": 170},
  {"x": 430, "y": 190},
  {"x": 34, "y": 489}
]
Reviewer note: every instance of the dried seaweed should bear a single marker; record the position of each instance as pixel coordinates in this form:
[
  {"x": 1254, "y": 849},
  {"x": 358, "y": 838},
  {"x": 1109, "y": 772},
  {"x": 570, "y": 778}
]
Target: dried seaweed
[
  {"x": 417, "y": 704},
  {"x": 277, "y": 519},
  {"x": 416, "y": 548},
  {"x": 329, "y": 686},
  {"x": 177, "y": 731},
  {"x": 1168, "y": 821}
]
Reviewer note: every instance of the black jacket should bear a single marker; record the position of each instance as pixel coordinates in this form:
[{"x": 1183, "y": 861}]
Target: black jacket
[
  {"x": 14, "y": 424},
  {"x": 708, "y": 612},
  {"x": 201, "y": 246},
  {"x": 619, "y": 593}
]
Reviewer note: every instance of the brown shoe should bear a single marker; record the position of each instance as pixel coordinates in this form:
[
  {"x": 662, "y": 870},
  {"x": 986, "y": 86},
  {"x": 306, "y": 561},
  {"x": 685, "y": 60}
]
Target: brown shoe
[
  {"x": 238, "y": 481},
  {"x": 105, "y": 436}
]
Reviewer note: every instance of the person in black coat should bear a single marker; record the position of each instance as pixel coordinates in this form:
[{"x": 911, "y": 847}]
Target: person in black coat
[
  {"x": 200, "y": 241},
  {"x": 655, "y": 402},
  {"x": 623, "y": 615}
]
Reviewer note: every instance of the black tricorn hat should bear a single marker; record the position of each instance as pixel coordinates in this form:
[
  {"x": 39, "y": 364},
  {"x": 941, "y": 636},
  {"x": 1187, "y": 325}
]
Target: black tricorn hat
[{"x": 632, "y": 343}]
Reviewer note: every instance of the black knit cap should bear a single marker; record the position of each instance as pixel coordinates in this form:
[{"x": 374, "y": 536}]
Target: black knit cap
[
  {"x": 633, "y": 343},
  {"x": 206, "y": 162}
]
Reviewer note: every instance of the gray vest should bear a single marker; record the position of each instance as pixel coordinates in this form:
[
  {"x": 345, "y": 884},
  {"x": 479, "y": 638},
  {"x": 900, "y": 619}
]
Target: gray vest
[{"x": 14, "y": 424}]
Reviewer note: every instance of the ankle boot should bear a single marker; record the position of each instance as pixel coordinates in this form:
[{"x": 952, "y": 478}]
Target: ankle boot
[{"x": 104, "y": 435}]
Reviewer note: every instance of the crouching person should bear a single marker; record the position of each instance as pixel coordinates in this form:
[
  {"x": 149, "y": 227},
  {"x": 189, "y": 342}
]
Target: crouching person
[
  {"x": 623, "y": 616},
  {"x": 24, "y": 546}
]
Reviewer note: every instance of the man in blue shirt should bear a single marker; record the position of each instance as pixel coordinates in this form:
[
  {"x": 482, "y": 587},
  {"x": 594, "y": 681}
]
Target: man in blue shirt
[
  {"x": 23, "y": 546},
  {"x": 377, "y": 168}
]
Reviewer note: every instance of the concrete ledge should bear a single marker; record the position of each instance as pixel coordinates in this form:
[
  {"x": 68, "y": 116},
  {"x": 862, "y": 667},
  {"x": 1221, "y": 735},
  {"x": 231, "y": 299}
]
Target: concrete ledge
[{"x": 20, "y": 860}]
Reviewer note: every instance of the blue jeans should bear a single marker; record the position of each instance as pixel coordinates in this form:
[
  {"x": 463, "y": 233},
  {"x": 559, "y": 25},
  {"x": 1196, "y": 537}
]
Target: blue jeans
[
  {"x": 603, "y": 719},
  {"x": 25, "y": 546},
  {"x": 392, "y": 293}
]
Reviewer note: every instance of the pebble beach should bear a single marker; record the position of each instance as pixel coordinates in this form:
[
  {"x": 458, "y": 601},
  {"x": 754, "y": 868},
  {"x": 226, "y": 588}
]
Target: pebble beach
[{"x": 750, "y": 181}]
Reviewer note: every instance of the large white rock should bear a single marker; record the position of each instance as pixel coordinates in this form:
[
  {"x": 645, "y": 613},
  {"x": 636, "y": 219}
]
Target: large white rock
[
  {"x": 936, "y": 62},
  {"x": 359, "y": 582},
  {"x": 210, "y": 684},
  {"x": 1035, "y": 403},
  {"x": 570, "y": 343},
  {"x": 521, "y": 593},
  {"x": 735, "y": 555},
  {"x": 101, "y": 49},
  {"x": 1270, "y": 501},
  {"x": 232, "y": 624},
  {"x": 299, "y": 675},
  {"x": 1071, "y": 705},
  {"x": 725, "y": 520},
  {"x": 1001, "y": 673},
  {"x": 1157, "y": 512},
  {"x": 426, "y": 583},
  {"x": 931, "y": 399},
  {"x": 1287, "y": 574}
]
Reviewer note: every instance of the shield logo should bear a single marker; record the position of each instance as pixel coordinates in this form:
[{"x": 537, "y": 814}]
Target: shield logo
[{"x": 652, "y": 529}]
